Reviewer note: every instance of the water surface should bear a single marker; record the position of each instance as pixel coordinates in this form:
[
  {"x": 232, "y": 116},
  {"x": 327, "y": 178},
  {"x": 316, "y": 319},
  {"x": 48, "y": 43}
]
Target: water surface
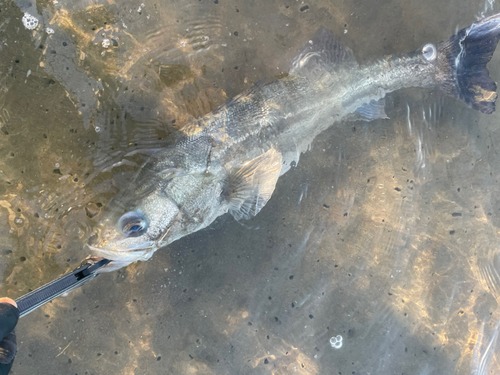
[{"x": 385, "y": 234}]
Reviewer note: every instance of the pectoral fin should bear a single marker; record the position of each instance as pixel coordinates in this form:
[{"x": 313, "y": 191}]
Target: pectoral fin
[{"x": 252, "y": 185}]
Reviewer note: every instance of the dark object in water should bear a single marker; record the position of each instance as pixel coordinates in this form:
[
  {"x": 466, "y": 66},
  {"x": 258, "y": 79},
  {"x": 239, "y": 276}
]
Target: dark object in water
[{"x": 55, "y": 288}]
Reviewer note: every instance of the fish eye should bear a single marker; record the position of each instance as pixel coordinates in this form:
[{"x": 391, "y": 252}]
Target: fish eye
[
  {"x": 133, "y": 224},
  {"x": 429, "y": 52}
]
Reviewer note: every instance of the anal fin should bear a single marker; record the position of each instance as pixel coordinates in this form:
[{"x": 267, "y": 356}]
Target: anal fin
[
  {"x": 253, "y": 184},
  {"x": 372, "y": 110}
]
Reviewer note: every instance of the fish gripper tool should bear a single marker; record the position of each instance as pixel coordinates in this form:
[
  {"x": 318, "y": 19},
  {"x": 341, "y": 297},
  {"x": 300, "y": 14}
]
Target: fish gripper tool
[{"x": 69, "y": 281}]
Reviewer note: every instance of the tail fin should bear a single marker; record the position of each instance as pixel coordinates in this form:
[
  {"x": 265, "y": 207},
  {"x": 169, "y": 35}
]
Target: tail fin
[{"x": 465, "y": 56}]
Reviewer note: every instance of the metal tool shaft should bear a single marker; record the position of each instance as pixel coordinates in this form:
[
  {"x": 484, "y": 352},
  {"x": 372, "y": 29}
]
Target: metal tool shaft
[{"x": 55, "y": 288}]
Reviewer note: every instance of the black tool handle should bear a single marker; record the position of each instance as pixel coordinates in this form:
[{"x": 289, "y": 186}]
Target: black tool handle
[{"x": 65, "y": 283}]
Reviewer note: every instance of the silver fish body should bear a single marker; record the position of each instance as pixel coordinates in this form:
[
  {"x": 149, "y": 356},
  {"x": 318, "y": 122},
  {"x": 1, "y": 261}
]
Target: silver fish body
[{"x": 231, "y": 159}]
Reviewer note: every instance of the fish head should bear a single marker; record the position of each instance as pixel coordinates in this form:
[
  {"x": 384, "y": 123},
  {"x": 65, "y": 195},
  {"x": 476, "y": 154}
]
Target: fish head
[
  {"x": 133, "y": 232},
  {"x": 155, "y": 211}
]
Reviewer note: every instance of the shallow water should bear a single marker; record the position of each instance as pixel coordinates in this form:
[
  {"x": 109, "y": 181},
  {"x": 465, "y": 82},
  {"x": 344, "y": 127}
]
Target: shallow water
[{"x": 385, "y": 233}]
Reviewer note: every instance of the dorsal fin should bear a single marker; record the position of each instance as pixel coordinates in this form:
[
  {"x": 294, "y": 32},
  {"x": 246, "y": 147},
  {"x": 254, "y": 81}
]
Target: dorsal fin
[{"x": 322, "y": 53}]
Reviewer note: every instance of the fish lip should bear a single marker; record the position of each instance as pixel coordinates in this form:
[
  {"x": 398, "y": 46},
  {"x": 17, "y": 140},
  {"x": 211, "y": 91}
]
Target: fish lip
[{"x": 118, "y": 255}]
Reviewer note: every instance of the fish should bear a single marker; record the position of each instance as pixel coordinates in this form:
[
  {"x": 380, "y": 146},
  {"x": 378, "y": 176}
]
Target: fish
[{"x": 230, "y": 160}]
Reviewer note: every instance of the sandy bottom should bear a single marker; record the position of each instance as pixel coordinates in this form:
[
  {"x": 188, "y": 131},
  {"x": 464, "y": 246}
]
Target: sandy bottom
[{"x": 378, "y": 253}]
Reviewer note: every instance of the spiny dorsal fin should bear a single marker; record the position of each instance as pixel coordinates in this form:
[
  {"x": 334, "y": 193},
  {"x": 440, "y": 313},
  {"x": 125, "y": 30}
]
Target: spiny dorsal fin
[
  {"x": 252, "y": 185},
  {"x": 322, "y": 53}
]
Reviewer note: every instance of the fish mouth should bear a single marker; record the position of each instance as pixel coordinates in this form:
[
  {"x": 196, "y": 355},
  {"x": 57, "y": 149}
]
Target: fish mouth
[{"x": 131, "y": 254}]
